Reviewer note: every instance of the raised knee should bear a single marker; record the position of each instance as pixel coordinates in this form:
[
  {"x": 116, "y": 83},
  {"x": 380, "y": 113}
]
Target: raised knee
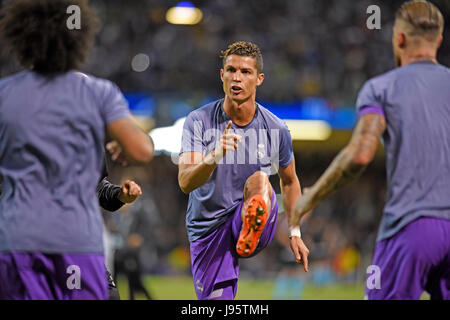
[
  {"x": 259, "y": 175},
  {"x": 258, "y": 183}
]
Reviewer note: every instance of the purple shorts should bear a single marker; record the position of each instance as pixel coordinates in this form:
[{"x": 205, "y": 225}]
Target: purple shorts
[
  {"x": 414, "y": 260},
  {"x": 214, "y": 259},
  {"x": 39, "y": 276}
]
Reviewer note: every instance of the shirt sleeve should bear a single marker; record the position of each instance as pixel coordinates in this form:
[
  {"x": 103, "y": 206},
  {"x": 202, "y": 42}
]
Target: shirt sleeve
[
  {"x": 113, "y": 104},
  {"x": 286, "y": 153},
  {"x": 107, "y": 194},
  {"x": 369, "y": 101},
  {"x": 192, "y": 137}
]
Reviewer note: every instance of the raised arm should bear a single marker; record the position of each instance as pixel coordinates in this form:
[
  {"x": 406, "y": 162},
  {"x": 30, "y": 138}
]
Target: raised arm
[
  {"x": 195, "y": 169},
  {"x": 347, "y": 165}
]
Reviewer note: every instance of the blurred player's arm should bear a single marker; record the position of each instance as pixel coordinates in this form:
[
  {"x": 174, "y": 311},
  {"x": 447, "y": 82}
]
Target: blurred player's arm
[
  {"x": 347, "y": 165},
  {"x": 108, "y": 195},
  {"x": 112, "y": 197},
  {"x": 136, "y": 144},
  {"x": 194, "y": 168},
  {"x": 290, "y": 192}
]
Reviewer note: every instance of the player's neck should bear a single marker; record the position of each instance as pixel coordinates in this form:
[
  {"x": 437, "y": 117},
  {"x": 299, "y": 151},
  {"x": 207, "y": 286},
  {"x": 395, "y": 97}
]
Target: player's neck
[
  {"x": 241, "y": 113},
  {"x": 417, "y": 56}
]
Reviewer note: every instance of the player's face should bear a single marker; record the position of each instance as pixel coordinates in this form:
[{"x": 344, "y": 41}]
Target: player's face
[{"x": 240, "y": 78}]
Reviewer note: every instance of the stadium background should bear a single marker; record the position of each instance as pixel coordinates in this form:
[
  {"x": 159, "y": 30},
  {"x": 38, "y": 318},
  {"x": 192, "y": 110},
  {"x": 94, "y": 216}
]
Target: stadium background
[{"x": 317, "y": 54}]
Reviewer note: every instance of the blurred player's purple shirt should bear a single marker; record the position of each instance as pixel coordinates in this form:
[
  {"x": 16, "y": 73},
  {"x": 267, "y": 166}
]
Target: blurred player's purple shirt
[
  {"x": 415, "y": 101},
  {"x": 266, "y": 145},
  {"x": 51, "y": 154}
]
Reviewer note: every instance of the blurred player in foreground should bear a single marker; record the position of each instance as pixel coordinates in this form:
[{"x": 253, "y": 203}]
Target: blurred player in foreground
[
  {"x": 409, "y": 108},
  {"x": 228, "y": 148},
  {"x": 53, "y": 121}
]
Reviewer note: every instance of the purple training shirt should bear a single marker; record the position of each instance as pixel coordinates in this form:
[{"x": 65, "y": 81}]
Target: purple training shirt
[
  {"x": 266, "y": 146},
  {"x": 52, "y": 133},
  {"x": 415, "y": 100}
]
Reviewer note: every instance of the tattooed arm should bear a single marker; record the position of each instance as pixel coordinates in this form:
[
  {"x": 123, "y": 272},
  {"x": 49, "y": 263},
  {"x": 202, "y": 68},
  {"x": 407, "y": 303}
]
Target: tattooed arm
[{"x": 347, "y": 165}]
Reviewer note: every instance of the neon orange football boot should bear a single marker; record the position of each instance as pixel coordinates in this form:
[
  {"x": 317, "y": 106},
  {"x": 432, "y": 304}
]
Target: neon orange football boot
[{"x": 253, "y": 222}]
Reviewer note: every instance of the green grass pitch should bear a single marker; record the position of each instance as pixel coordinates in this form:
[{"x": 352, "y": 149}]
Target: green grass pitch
[{"x": 182, "y": 288}]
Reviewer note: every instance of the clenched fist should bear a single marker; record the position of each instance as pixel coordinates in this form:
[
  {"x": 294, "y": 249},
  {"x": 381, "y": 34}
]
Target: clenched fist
[{"x": 130, "y": 191}]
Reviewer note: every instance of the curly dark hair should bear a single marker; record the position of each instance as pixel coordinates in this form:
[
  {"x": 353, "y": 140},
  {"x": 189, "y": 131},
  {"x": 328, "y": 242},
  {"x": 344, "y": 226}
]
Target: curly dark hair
[
  {"x": 36, "y": 32},
  {"x": 243, "y": 48}
]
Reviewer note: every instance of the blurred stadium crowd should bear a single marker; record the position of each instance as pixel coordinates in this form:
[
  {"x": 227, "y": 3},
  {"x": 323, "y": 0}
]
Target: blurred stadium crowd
[{"x": 310, "y": 48}]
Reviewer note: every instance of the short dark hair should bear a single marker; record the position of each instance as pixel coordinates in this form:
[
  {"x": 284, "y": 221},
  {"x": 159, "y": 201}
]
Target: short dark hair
[
  {"x": 243, "y": 48},
  {"x": 422, "y": 17},
  {"x": 36, "y": 32}
]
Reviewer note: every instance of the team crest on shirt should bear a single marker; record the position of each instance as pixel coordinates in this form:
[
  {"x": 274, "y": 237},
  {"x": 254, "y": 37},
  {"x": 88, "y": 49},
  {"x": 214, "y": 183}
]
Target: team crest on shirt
[
  {"x": 199, "y": 286},
  {"x": 261, "y": 151}
]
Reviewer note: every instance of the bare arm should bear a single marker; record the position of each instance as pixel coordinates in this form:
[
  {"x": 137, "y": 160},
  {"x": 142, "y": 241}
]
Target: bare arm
[
  {"x": 136, "y": 144},
  {"x": 347, "y": 165},
  {"x": 290, "y": 187},
  {"x": 194, "y": 170},
  {"x": 290, "y": 192}
]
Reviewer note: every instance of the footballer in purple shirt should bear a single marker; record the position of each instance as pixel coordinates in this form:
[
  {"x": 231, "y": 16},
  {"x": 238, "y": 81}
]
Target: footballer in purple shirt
[
  {"x": 229, "y": 149},
  {"x": 53, "y": 122},
  {"x": 409, "y": 108}
]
